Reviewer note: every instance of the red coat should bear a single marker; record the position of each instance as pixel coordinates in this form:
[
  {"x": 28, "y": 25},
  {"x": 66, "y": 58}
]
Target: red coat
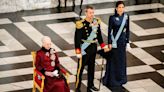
[{"x": 43, "y": 63}]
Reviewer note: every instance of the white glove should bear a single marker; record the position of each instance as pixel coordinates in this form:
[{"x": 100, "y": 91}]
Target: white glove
[
  {"x": 128, "y": 46},
  {"x": 55, "y": 73},
  {"x": 78, "y": 55}
]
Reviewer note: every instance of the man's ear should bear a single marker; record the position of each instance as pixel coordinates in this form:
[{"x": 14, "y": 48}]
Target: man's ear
[{"x": 85, "y": 13}]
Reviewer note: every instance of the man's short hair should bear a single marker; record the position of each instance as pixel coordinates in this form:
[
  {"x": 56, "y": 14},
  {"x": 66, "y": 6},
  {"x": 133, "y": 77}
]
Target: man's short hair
[{"x": 88, "y": 7}]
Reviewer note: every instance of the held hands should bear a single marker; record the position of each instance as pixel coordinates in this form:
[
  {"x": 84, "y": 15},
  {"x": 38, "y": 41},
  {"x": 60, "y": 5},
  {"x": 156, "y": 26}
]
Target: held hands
[
  {"x": 106, "y": 49},
  {"x": 128, "y": 47}
]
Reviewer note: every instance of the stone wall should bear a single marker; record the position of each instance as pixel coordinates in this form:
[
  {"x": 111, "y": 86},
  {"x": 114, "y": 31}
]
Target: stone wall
[{"x": 17, "y": 5}]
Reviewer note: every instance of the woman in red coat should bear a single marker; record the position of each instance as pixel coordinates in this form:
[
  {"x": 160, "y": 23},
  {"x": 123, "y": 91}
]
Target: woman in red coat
[{"x": 48, "y": 64}]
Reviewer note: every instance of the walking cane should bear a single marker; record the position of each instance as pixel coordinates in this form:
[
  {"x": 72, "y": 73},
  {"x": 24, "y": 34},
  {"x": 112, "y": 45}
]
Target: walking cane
[
  {"x": 102, "y": 68},
  {"x": 104, "y": 56}
]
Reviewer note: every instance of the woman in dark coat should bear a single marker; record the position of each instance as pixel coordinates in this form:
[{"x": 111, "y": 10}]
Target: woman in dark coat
[
  {"x": 48, "y": 64},
  {"x": 118, "y": 40}
]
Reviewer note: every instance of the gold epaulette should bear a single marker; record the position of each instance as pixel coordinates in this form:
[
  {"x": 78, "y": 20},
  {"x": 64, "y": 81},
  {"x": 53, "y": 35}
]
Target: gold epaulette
[
  {"x": 79, "y": 24},
  {"x": 99, "y": 20}
]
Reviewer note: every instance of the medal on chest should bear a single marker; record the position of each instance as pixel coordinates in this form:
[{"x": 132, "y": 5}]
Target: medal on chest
[
  {"x": 47, "y": 54},
  {"x": 94, "y": 26},
  {"x": 52, "y": 57}
]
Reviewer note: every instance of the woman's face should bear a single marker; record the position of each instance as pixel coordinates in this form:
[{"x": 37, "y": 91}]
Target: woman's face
[
  {"x": 120, "y": 8},
  {"x": 47, "y": 44}
]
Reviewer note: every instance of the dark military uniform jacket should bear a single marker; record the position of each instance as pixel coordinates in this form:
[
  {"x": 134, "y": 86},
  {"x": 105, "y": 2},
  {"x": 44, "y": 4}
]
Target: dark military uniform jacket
[{"x": 83, "y": 31}]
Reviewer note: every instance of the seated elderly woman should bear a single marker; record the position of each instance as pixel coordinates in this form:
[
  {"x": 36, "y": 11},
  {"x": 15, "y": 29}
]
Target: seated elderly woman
[{"x": 48, "y": 64}]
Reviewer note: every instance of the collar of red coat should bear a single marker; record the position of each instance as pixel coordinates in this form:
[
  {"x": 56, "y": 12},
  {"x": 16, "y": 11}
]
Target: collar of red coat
[{"x": 45, "y": 50}]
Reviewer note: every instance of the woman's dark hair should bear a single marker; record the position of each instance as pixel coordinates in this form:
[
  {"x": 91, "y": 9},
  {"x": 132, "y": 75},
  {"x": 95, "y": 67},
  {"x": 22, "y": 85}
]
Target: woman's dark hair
[{"x": 117, "y": 4}]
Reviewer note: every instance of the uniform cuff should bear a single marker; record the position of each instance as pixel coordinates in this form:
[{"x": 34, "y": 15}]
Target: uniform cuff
[
  {"x": 78, "y": 50},
  {"x": 102, "y": 45}
]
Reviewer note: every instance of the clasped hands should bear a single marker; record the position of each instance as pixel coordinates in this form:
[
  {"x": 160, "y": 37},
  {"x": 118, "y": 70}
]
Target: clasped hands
[{"x": 55, "y": 73}]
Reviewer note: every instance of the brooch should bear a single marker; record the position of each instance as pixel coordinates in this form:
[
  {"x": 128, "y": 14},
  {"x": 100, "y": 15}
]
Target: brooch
[
  {"x": 47, "y": 54},
  {"x": 117, "y": 18}
]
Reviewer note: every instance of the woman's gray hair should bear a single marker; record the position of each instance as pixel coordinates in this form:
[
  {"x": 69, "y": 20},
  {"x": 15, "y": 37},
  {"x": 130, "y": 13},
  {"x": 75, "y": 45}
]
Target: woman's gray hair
[{"x": 45, "y": 38}]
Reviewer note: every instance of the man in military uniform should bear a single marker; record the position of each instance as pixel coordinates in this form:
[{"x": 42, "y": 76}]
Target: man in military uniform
[{"x": 87, "y": 34}]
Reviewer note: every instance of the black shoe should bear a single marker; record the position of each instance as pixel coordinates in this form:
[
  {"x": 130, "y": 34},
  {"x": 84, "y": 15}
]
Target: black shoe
[
  {"x": 89, "y": 90},
  {"x": 117, "y": 89},
  {"x": 94, "y": 88},
  {"x": 77, "y": 90}
]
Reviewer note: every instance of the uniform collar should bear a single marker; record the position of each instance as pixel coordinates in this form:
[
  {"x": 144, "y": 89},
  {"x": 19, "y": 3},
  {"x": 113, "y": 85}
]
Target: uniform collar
[
  {"x": 87, "y": 21},
  {"x": 117, "y": 15}
]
